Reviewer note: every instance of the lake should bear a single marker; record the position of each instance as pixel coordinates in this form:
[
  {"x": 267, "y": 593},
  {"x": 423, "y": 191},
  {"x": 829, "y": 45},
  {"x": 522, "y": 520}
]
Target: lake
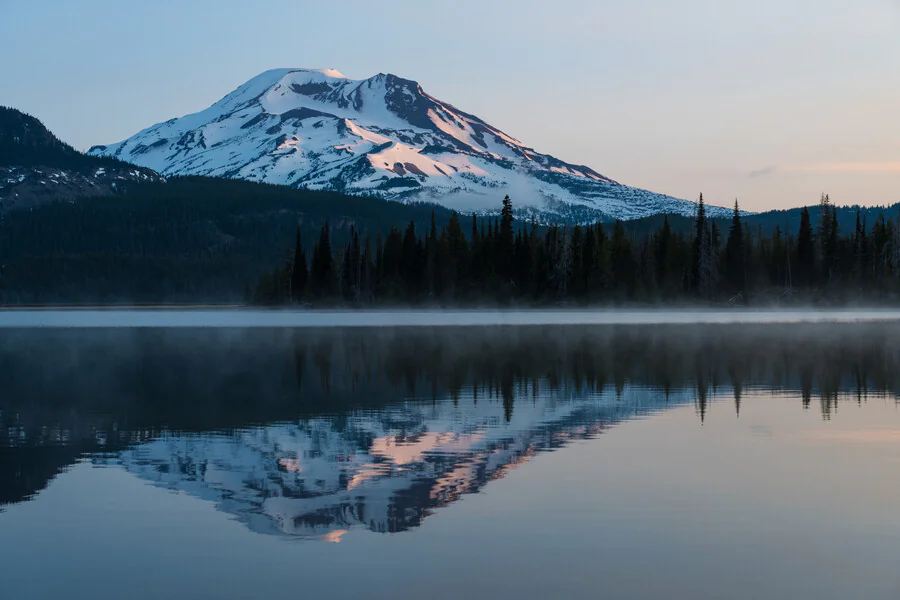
[{"x": 229, "y": 456}]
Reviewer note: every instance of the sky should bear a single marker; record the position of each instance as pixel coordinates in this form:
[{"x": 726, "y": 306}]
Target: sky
[{"x": 772, "y": 102}]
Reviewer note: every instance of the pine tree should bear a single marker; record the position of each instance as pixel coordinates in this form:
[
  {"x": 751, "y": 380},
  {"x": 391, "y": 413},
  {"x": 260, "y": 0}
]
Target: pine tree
[
  {"x": 367, "y": 283},
  {"x": 709, "y": 261},
  {"x": 576, "y": 269},
  {"x": 622, "y": 262},
  {"x": 805, "y": 250},
  {"x": 861, "y": 252},
  {"x": 827, "y": 238},
  {"x": 663, "y": 241},
  {"x": 894, "y": 236},
  {"x": 735, "y": 253},
  {"x": 410, "y": 260},
  {"x": 456, "y": 258},
  {"x": 505, "y": 240},
  {"x": 699, "y": 244},
  {"x": 431, "y": 250},
  {"x": 322, "y": 276},
  {"x": 299, "y": 271}
]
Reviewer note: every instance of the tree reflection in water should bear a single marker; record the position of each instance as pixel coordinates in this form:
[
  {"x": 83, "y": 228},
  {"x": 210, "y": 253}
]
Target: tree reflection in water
[{"x": 313, "y": 432}]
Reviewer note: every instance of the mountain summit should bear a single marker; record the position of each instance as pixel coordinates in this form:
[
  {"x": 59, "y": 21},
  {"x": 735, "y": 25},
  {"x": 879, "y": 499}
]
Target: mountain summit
[
  {"x": 382, "y": 136},
  {"x": 37, "y": 168}
]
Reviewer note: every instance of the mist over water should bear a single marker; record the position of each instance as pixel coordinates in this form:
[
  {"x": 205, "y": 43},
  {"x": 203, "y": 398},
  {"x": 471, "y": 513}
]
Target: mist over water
[
  {"x": 703, "y": 460},
  {"x": 249, "y": 318}
]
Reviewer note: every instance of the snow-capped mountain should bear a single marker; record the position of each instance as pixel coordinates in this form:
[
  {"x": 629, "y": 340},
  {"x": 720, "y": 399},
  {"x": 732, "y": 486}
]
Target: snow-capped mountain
[
  {"x": 382, "y": 136},
  {"x": 385, "y": 470}
]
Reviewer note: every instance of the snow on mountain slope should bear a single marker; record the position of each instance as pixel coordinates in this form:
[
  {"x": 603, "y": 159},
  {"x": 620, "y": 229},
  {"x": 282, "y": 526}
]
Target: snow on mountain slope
[
  {"x": 384, "y": 470},
  {"x": 382, "y": 136}
]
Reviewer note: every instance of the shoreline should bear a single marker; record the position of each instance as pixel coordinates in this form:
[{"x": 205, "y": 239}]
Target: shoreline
[{"x": 224, "y": 317}]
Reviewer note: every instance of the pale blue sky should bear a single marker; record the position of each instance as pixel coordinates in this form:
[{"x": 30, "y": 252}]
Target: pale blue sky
[{"x": 771, "y": 101}]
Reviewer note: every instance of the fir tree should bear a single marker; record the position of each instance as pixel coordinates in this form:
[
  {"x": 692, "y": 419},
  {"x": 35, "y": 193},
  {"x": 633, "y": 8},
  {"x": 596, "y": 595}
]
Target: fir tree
[
  {"x": 805, "y": 250},
  {"x": 505, "y": 239},
  {"x": 622, "y": 262},
  {"x": 299, "y": 272},
  {"x": 699, "y": 244},
  {"x": 735, "y": 253},
  {"x": 322, "y": 275}
]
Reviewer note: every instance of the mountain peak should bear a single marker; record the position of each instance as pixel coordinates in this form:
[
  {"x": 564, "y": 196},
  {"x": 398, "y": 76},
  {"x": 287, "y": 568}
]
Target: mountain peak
[
  {"x": 25, "y": 140},
  {"x": 320, "y": 74},
  {"x": 36, "y": 167},
  {"x": 333, "y": 73},
  {"x": 382, "y": 136}
]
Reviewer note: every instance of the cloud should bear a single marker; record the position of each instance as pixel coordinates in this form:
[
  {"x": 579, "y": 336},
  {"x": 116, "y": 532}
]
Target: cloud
[
  {"x": 762, "y": 172},
  {"x": 849, "y": 167}
]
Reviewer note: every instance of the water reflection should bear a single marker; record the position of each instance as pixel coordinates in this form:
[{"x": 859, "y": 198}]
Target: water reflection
[
  {"x": 382, "y": 469},
  {"x": 312, "y": 432}
]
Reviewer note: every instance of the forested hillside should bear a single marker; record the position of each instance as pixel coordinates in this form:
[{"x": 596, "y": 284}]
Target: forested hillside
[
  {"x": 26, "y": 142},
  {"x": 502, "y": 262},
  {"x": 193, "y": 240},
  {"x": 204, "y": 240},
  {"x": 36, "y": 168}
]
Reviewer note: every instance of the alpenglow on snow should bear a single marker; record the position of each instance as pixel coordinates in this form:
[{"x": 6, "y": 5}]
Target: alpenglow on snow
[{"x": 382, "y": 136}]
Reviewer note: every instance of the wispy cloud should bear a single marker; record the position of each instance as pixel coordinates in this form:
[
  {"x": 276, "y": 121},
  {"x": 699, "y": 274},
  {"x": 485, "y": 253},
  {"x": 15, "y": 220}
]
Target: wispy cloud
[
  {"x": 762, "y": 172},
  {"x": 849, "y": 167}
]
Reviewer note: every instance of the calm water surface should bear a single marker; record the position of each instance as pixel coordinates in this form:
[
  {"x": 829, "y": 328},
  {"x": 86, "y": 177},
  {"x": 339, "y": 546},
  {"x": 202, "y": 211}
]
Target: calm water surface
[{"x": 640, "y": 461}]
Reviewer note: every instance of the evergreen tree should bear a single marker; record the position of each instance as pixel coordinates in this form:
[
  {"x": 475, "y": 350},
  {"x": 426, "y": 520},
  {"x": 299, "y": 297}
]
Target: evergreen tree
[
  {"x": 577, "y": 273},
  {"x": 299, "y": 272},
  {"x": 622, "y": 262},
  {"x": 367, "y": 281},
  {"x": 700, "y": 243},
  {"x": 663, "y": 241},
  {"x": 322, "y": 275},
  {"x": 411, "y": 259},
  {"x": 827, "y": 238},
  {"x": 505, "y": 245},
  {"x": 431, "y": 251},
  {"x": 735, "y": 253},
  {"x": 805, "y": 250}
]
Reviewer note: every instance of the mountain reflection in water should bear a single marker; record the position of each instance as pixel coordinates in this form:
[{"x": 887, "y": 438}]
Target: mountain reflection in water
[{"x": 313, "y": 432}]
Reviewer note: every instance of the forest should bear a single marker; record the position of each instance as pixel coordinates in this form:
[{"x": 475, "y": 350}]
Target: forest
[
  {"x": 499, "y": 261},
  {"x": 198, "y": 240},
  {"x": 191, "y": 240}
]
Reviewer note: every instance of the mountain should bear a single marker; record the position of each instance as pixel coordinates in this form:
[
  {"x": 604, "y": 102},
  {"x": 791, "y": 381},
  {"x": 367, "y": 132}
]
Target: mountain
[
  {"x": 384, "y": 471},
  {"x": 36, "y": 167},
  {"x": 383, "y": 136}
]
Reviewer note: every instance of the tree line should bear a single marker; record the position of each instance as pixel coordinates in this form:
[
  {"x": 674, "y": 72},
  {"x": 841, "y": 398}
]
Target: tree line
[
  {"x": 189, "y": 240},
  {"x": 498, "y": 260}
]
